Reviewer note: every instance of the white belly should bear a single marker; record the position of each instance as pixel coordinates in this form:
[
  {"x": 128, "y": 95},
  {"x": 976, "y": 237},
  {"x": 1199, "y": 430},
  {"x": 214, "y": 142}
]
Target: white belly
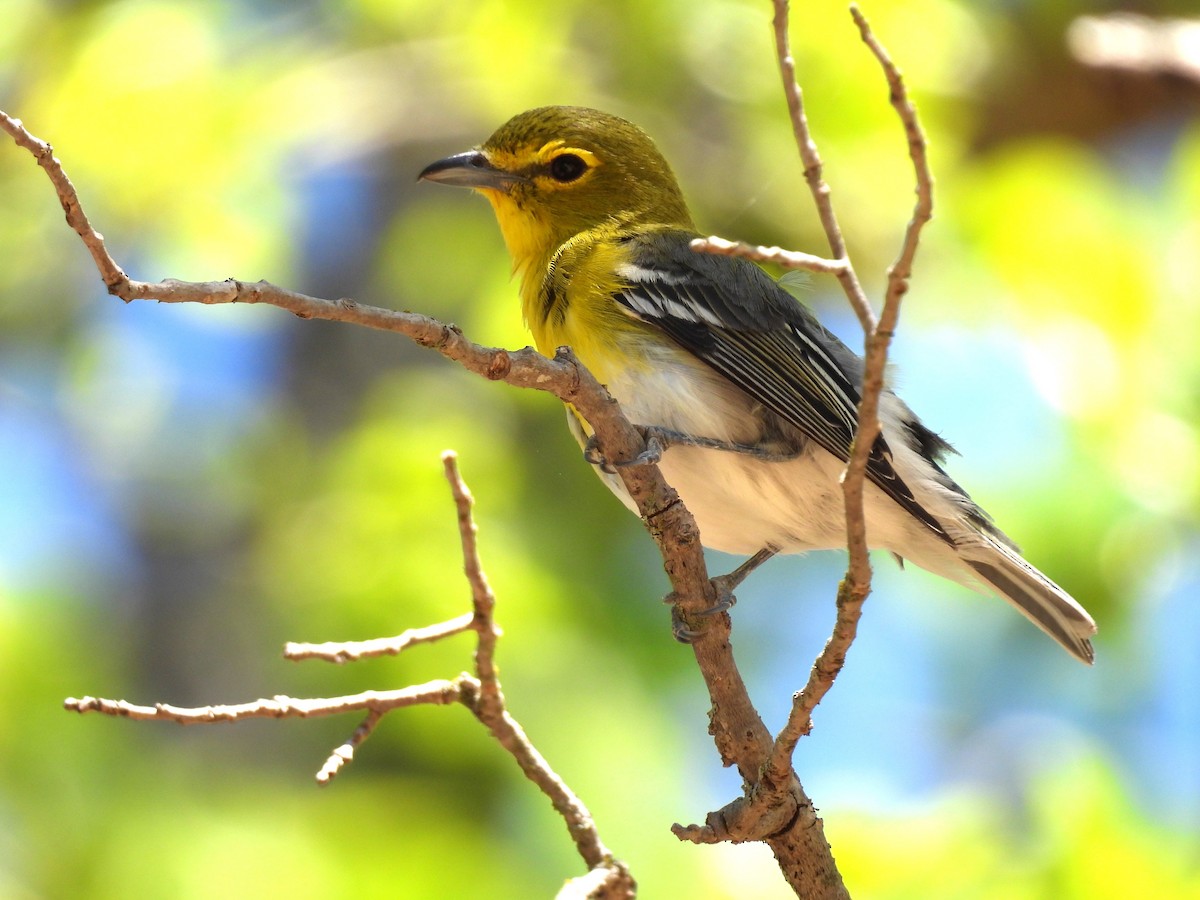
[{"x": 743, "y": 504}]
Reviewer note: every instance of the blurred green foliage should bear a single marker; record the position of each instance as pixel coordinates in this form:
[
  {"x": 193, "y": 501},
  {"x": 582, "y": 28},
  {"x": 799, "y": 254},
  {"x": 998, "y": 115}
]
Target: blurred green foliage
[{"x": 192, "y": 487}]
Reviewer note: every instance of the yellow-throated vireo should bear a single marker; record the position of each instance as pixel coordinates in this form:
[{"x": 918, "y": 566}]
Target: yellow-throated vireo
[{"x": 754, "y": 400}]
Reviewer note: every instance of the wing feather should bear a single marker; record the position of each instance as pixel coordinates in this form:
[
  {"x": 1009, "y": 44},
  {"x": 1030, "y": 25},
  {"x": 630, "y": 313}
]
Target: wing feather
[{"x": 735, "y": 318}]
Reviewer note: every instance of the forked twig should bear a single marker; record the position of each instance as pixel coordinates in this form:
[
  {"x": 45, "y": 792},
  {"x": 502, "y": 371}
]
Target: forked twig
[
  {"x": 480, "y": 693},
  {"x": 852, "y": 591},
  {"x": 759, "y": 809}
]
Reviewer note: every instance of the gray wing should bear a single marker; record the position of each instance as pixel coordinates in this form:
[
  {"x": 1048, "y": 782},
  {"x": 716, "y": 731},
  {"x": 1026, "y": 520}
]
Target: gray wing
[{"x": 734, "y": 317}]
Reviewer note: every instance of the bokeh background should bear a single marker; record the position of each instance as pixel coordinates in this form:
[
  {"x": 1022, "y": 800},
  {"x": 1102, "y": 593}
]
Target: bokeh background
[{"x": 184, "y": 489}]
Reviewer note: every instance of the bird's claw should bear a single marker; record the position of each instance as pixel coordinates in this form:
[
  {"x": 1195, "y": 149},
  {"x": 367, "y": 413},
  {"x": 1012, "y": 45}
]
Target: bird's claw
[
  {"x": 651, "y": 453},
  {"x": 679, "y": 628},
  {"x": 724, "y": 586},
  {"x": 592, "y": 455}
]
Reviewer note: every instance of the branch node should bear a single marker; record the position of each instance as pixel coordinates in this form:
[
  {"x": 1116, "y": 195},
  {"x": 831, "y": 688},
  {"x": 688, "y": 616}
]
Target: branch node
[
  {"x": 500, "y": 366},
  {"x": 440, "y": 338},
  {"x": 768, "y": 812}
]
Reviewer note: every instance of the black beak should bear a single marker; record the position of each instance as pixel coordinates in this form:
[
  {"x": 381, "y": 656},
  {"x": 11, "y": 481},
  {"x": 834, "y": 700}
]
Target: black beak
[{"x": 470, "y": 169}]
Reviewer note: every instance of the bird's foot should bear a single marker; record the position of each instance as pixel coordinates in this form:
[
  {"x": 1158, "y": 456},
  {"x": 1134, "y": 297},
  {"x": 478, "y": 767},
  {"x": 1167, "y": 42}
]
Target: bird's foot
[
  {"x": 679, "y": 629},
  {"x": 724, "y": 586},
  {"x": 656, "y": 442}
]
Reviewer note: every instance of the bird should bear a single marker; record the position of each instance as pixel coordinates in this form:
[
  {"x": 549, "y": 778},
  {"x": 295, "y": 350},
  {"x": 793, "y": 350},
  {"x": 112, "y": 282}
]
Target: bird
[{"x": 750, "y": 403}]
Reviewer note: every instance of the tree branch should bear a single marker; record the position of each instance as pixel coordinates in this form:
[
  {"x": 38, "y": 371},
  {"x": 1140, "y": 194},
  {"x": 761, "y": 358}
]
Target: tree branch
[
  {"x": 789, "y": 259},
  {"x": 437, "y": 693},
  {"x": 352, "y": 651},
  {"x": 854, "y": 588},
  {"x": 480, "y": 693},
  {"x": 110, "y": 272},
  {"x": 489, "y": 705},
  {"x": 814, "y": 170},
  {"x": 853, "y": 591}
]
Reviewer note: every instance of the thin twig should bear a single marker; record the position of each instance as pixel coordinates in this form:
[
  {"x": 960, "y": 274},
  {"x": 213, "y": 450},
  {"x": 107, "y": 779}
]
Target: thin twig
[
  {"x": 853, "y": 589},
  {"x": 110, "y": 272},
  {"x": 814, "y": 168},
  {"x": 856, "y": 529},
  {"x": 352, "y": 651},
  {"x": 489, "y": 705},
  {"x": 901, "y": 269},
  {"x": 345, "y": 753},
  {"x": 440, "y": 693},
  {"x": 789, "y": 259},
  {"x": 482, "y": 599},
  {"x": 880, "y": 338}
]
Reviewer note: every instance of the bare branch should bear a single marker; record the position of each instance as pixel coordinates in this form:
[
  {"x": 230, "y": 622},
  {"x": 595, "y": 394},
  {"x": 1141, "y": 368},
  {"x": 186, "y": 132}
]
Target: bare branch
[
  {"x": 439, "y": 693},
  {"x": 740, "y": 817},
  {"x": 482, "y": 598},
  {"x": 110, "y": 272},
  {"x": 814, "y": 168},
  {"x": 901, "y": 269},
  {"x": 852, "y": 592},
  {"x": 481, "y": 694},
  {"x": 859, "y": 570},
  {"x": 489, "y": 706},
  {"x": 345, "y": 753},
  {"x": 352, "y": 651},
  {"x": 789, "y": 259},
  {"x": 880, "y": 338},
  {"x": 775, "y": 809}
]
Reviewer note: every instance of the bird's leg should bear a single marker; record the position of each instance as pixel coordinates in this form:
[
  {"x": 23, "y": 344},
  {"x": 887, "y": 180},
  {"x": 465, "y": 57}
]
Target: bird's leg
[
  {"x": 659, "y": 439},
  {"x": 667, "y": 437},
  {"x": 652, "y": 453},
  {"x": 724, "y": 586}
]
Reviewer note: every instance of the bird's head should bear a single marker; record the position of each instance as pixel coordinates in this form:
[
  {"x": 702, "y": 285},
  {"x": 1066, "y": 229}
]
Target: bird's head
[{"x": 556, "y": 171}]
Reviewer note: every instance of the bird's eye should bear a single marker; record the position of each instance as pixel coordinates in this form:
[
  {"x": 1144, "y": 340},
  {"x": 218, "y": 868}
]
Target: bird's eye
[{"x": 566, "y": 167}]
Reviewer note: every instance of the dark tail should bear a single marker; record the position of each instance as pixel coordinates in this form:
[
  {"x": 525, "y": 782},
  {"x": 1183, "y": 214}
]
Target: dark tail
[{"x": 1042, "y": 601}]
